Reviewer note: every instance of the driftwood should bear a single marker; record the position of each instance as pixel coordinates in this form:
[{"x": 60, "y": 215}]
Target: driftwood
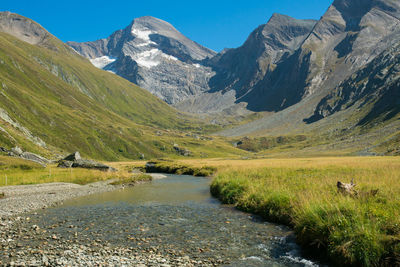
[{"x": 349, "y": 190}]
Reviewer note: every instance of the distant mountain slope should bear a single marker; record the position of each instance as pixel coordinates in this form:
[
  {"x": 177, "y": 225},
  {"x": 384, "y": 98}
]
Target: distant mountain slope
[
  {"x": 375, "y": 89},
  {"x": 238, "y": 71},
  {"x": 351, "y": 42},
  {"x": 153, "y": 54},
  {"x": 349, "y": 36},
  {"x": 54, "y": 101},
  {"x": 243, "y": 68}
]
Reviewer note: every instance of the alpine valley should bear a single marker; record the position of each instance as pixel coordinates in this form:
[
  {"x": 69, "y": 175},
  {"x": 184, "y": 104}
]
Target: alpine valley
[
  {"x": 277, "y": 127},
  {"x": 337, "y": 77},
  {"x": 334, "y": 81}
]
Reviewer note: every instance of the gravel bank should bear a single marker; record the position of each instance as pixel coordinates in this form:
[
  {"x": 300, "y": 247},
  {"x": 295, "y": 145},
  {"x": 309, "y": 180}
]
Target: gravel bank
[{"x": 24, "y": 198}]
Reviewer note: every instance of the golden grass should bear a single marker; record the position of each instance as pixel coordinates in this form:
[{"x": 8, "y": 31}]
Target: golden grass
[
  {"x": 14, "y": 171},
  {"x": 317, "y": 162},
  {"x": 302, "y": 193}
]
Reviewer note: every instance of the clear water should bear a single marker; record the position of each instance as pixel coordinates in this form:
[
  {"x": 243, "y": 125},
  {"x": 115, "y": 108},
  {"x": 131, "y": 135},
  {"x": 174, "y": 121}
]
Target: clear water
[{"x": 175, "y": 214}]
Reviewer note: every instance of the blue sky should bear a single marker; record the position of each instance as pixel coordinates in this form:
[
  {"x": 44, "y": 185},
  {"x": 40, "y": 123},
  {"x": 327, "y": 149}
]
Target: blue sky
[{"x": 215, "y": 24}]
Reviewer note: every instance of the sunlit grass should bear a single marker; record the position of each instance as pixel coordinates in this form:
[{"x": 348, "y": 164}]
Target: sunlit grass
[
  {"x": 302, "y": 193},
  {"x": 14, "y": 171}
]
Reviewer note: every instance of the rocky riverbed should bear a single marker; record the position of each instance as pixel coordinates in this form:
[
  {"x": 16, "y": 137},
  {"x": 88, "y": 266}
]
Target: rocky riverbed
[
  {"x": 23, "y": 243},
  {"x": 169, "y": 222}
]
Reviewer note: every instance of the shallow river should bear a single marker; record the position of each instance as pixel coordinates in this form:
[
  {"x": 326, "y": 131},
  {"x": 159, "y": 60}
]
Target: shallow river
[{"x": 175, "y": 215}]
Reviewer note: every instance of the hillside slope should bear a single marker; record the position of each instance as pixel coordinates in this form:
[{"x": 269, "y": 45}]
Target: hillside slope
[{"x": 54, "y": 101}]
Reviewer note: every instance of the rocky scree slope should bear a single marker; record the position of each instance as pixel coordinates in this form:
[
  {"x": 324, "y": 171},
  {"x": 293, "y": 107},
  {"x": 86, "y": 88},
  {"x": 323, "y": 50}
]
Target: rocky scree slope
[
  {"x": 239, "y": 71},
  {"x": 375, "y": 89}
]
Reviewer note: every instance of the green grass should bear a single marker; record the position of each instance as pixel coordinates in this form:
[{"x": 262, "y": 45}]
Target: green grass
[
  {"x": 15, "y": 171},
  {"x": 363, "y": 231},
  {"x": 73, "y": 106},
  {"x": 257, "y": 144},
  {"x": 181, "y": 169}
]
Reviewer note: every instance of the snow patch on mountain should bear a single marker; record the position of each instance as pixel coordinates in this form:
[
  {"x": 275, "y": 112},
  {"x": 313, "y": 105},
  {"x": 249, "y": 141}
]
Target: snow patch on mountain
[
  {"x": 151, "y": 58},
  {"x": 148, "y": 59},
  {"x": 143, "y": 35},
  {"x": 102, "y": 62}
]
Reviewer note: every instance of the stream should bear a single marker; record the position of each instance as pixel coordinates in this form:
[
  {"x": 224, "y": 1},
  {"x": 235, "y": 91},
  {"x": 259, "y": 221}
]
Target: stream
[{"x": 175, "y": 216}]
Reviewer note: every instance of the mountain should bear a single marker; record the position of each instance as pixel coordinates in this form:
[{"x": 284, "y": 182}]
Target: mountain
[
  {"x": 239, "y": 71},
  {"x": 350, "y": 41},
  {"x": 153, "y": 54},
  {"x": 286, "y": 67},
  {"x": 348, "y": 36},
  {"x": 53, "y": 101},
  {"x": 375, "y": 90}
]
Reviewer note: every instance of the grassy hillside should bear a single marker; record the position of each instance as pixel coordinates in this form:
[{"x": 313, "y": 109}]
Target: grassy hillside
[{"x": 54, "y": 101}]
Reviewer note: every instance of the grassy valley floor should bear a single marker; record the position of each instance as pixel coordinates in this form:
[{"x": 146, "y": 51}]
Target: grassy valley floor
[{"x": 363, "y": 230}]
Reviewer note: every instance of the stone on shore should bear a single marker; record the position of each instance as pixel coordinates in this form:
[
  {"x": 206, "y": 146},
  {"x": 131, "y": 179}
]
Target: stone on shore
[{"x": 76, "y": 161}]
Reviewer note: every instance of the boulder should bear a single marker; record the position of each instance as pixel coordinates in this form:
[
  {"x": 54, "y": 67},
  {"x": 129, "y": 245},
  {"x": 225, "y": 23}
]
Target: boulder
[
  {"x": 35, "y": 158},
  {"x": 75, "y": 161},
  {"x": 151, "y": 167},
  {"x": 65, "y": 164},
  {"x": 182, "y": 151},
  {"x": 73, "y": 156},
  {"x": 17, "y": 151},
  {"x": 347, "y": 189},
  {"x": 90, "y": 164}
]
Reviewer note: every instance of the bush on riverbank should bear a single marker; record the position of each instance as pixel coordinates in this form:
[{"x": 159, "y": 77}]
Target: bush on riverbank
[
  {"x": 353, "y": 231},
  {"x": 180, "y": 169}
]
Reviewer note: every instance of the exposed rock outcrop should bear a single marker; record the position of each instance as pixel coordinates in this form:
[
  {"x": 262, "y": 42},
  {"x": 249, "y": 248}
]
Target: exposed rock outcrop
[
  {"x": 34, "y": 157},
  {"x": 23, "y": 28},
  {"x": 182, "y": 151},
  {"x": 19, "y": 153},
  {"x": 74, "y": 160}
]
